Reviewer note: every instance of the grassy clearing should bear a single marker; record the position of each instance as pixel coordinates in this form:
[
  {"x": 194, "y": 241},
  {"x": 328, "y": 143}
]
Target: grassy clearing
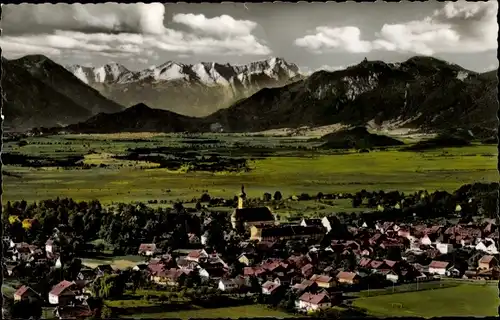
[
  {"x": 118, "y": 262},
  {"x": 248, "y": 311},
  {"x": 463, "y": 300}
]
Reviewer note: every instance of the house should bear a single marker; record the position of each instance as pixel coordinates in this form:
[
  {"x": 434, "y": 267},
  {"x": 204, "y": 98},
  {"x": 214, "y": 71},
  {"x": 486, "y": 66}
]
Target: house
[
  {"x": 270, "y": 287},
  {"x": 487, "y": 245},
  {"x": 244, "y": 217},
  {"x": 304, "y": 285},
  {"x": 487, "y": 262},
  {"x": 197, "y": 255},
  {"x": 247, "y": 259},
  {"x": 140, "y": 267},
  {"x": 86, "y": 274},
  {"x": 323, "y": 281},
  {"x": 278, "y": 232},
  {"x": 299, "y": 261},
  {"x": 50, "y": 246},
  {"x": 80, "y": 311},
  {"x": 307, "y": 270},
  {"x": 438, "y": 267},
  {"x": 231, "y": 284},
  {"x": 58, "y": 263},
  {"x": 147, "y": 249},
  {"x": 390, "y": 275},
  {"x": 62, "y": 293},
  {"x": 329, "y": 222},
  {"x": 25, "y": 293},
  {"x": 444, "y": 248},
  {"x": 347, "y": 277},
  {"x": 305, "y": 222},
  {"x": 194, "y": 239},
  {"x": 169, "y": 277},
  {"x": 313, "y": 302}
]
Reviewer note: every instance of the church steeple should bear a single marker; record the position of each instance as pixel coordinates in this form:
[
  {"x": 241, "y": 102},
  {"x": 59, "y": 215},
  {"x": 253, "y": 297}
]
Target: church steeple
[{"x": 241, "y": 198}]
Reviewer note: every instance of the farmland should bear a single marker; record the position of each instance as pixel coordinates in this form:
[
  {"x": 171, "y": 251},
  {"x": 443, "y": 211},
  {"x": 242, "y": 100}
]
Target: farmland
[{"x": 291, "y": 165}]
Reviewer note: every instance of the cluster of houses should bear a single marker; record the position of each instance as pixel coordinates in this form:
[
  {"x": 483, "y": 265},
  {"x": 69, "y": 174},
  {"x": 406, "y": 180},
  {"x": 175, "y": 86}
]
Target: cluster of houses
[
  {"x": 313, "y": 275},
  {"x": 281, "y": 257}
]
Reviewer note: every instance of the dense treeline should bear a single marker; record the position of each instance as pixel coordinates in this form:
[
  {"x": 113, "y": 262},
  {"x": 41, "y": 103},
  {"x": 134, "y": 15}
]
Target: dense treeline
[{"x": 125, "y": 226}]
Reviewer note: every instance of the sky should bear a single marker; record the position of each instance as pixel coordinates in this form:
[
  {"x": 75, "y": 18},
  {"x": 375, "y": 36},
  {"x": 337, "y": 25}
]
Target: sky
[{"x": 312, "y": 35}]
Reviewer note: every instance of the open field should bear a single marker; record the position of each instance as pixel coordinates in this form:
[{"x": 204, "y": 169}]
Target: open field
[
  {"x": 248, "y": 311},
  {"x": 462, "y": 300},
  {"x": 118, "y": 262},
  {"x": 288, "y": 169}
]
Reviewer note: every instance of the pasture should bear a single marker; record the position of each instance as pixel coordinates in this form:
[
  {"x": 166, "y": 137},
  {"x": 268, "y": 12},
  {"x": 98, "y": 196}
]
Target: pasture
[
  {"x": 290, "y": 165},
  {"x": 463, "y": 300},
  {"x": 247, "y": 311}
]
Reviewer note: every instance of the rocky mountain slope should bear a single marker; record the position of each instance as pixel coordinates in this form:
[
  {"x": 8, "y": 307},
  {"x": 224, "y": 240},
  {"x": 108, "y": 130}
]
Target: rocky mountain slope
[
  {"x": 422, "y": 92},
  {"x": 193, "y": 90},
  {"x": 40, "y": 92}
]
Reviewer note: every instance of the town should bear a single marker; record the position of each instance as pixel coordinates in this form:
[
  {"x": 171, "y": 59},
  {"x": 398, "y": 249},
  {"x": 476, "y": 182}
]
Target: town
[{"x": 205, "y": 256}]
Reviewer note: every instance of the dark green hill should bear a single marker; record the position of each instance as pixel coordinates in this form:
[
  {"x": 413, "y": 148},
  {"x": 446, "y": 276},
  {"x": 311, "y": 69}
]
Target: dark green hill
[{"x": 357, "y": 138}]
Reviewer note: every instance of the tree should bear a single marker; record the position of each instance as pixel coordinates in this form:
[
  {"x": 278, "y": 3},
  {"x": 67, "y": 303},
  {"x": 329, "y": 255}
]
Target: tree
[
  {"x": 277, "y": 196},
  {"x": 109, "y": 286},
  {"x": 26, "y": 309},
  {"x": 198, "y": 206},
  {"x": 267, "y": 197},
  {"x": 356, "y": 202},
  {"x": 205, "y": 197}
]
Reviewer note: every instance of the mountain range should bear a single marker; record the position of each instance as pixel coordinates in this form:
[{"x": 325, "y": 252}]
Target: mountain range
[
  {"x": 423, "y": 93},
  {"x": 193, "y": 90},
  {"x": 39, "y": 92}
]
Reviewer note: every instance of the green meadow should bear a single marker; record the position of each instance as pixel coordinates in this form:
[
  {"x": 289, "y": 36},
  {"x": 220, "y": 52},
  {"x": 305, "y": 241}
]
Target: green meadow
[
  {"x": 289, "y": 170},
  {"x": 464, "y": 300}
]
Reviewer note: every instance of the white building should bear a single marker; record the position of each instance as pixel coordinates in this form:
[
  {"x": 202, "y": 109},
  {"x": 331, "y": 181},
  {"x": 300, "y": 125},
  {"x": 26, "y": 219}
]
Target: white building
[
  {"x": 444, "y": 248},
  {"x": 313, "y": 302},
  {"x": 438, "y": 267},
  {"x": 487, "y": 245}
]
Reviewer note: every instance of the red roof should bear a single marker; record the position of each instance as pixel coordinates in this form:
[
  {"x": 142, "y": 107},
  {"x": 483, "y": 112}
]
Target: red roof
[
  {"x": 375, "y": 264},
  {"x": 60, "y": 287},
  {"x": 270, "y": 286},
  {"x": 438, "y": 264},
  {"x": 314, "y": 298},
  {"x": 21, "y": 291},
  {"x": 147, "y": 247},
  {"x": 486, "y": 259},
  {"x": 321, "y": 278},
  {"x": 390, "y": 263},
  {"x": 364, "y": 262},
  {"x": 346, "y": 275},
  {"x": 195, "y": 254}
]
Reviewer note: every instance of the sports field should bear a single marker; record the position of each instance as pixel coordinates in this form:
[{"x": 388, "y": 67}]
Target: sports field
[{"x": 463, "y": 300}]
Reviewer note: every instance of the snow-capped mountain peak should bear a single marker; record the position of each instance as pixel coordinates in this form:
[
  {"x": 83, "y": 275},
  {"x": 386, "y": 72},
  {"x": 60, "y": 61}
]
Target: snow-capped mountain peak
[{"x": 110, "y": 72}]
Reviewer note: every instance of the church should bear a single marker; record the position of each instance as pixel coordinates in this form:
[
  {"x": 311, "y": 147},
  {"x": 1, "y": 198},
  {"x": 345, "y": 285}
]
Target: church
[{"x": 244, "y": 217}]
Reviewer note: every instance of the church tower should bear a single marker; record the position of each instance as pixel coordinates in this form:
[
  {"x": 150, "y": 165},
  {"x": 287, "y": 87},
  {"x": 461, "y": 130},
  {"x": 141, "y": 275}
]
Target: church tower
[{"x": 242, "y": 198}]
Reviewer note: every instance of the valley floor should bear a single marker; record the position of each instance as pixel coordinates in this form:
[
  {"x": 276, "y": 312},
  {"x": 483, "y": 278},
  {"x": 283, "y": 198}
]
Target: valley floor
[{"x": 444, "y": 169}]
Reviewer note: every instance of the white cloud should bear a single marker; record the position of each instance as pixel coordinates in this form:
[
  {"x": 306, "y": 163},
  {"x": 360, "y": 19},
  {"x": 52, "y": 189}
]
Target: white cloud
[
  {"x": 465, "y": 27},
  {"x": 458, "y": 27},
  {"x": 223, "y": 25},
  {"x": 326, "y": 39},
  {"x": 123, "y": 31}
]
